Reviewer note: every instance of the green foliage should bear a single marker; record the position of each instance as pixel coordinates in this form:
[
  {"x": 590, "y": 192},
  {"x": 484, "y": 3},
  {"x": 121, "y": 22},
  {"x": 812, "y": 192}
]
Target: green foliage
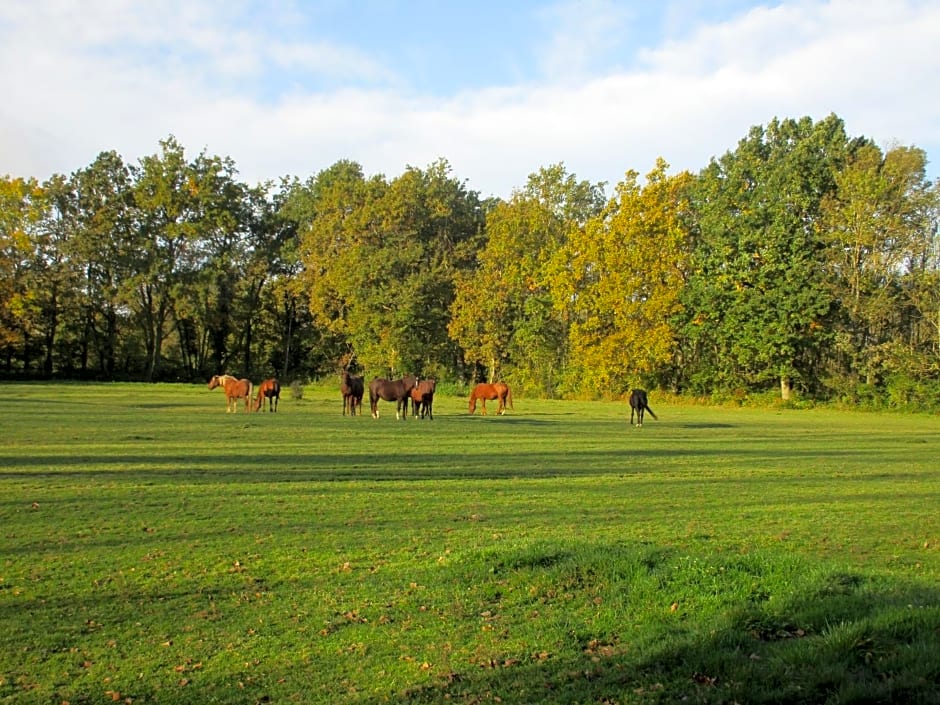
[
  {"x": 758, "y": 306},
  {"x": 158, "y": 549},
  {"x": 381, "y": 258},
  {"x": 503, "y": 316}
]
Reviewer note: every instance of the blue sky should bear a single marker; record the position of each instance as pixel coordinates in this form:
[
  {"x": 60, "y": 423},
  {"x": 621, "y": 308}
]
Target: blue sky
[{"x": 498, "y": 89}]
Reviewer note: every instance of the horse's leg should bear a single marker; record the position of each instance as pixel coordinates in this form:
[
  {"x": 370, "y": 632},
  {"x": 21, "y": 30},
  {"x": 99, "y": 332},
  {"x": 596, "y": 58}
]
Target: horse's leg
[{"x": 482, "y": 406}]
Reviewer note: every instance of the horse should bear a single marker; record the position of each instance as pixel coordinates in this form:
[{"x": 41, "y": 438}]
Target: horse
[
  {"x": 352, "y": 390},
  {"x": 235, "y": 389},
  {"x": 484, "y": 392},
  {"x": 271, "y": 389},
  {"x": 397, "y": 391},
  {"x": 639, "y": 404},
  {"x": 422, "y": 397}
]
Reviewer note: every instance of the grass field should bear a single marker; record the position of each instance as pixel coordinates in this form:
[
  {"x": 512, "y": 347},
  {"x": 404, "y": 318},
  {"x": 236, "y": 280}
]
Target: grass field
[{"x": 154, "y": 549}]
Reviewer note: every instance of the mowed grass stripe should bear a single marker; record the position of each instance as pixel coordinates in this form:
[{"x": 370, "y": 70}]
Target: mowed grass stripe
[{"x": 157, "y": 549}]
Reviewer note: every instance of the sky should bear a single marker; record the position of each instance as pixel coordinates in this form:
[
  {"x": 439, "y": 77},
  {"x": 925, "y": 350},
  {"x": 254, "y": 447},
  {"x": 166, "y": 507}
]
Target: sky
[{"x": 497, "y": 88}]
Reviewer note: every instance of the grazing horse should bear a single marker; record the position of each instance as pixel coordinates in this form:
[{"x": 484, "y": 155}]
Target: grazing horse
[
  {"x": 235, "y": 389},
  {"x": 398, "y": 391},
  {"x": 271, "y": 389},
  {"x": 422, "y": 397},
  {"x": 639, "y": 404},
  {"x": 352, "y": 390},
  {"x": 484, "y": 392}
]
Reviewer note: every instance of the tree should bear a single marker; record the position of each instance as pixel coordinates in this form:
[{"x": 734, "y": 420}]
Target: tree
[
  {"x": 621, "y": 277},
  {"x": 187, "y": 216},
  {"x": 103, "y": 235},
  {"x": 51, "y": 273},
  {"x": 504, "y": 316},
  {"x": 380, "y": 260},
  {"x": 20, "y": 210},
  {"x": 876, "y": 223},
  {"x": 757, "y": 301},
  {"x": 331, "y": 214}
]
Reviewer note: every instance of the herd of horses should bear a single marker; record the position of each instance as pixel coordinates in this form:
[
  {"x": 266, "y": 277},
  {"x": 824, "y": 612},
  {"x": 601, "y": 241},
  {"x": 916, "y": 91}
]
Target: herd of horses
[
  {"x": 419, "y": 392},
  {"x": 236, "y": 389}
]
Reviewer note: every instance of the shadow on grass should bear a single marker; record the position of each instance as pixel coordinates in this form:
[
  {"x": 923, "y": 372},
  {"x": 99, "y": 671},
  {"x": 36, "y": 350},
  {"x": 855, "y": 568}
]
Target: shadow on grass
[
  {"x": 841, "y": 638},
  {"x": 399, "y": 464},
  {"x": 779, "y": 633}
]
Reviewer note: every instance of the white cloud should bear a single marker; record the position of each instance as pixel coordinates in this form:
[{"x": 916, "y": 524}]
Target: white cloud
[{"x": 122, "y": 77}]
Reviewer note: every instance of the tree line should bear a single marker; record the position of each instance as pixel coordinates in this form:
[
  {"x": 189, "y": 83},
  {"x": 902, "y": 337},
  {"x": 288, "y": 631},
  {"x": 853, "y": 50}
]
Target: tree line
[{"x": 802, "y": 263}]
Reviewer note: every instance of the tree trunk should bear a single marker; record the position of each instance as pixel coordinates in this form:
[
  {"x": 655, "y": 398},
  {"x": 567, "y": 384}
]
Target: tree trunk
[{"x": 786, "y": 389}]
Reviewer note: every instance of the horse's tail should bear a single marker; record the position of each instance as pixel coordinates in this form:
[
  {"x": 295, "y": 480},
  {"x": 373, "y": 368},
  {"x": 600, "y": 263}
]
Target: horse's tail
[
  {"x": 509, "y": 398},
  {"x": 651, "y": 412}
]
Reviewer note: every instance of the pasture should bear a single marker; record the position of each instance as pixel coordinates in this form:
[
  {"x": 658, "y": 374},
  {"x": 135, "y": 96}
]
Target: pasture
[{"x": 154, "y": 549}]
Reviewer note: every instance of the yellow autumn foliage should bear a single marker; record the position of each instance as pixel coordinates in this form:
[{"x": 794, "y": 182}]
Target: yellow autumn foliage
[{"x": 620, "y": 278}]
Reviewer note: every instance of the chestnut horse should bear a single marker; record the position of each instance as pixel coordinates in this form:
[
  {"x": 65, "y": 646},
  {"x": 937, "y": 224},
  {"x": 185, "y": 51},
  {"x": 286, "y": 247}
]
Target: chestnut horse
[
  {"x": 639, "y": 404},
  {"x": 484, "y": 392},
  {"x": 352, "y": 390},
  {"x": 422, "y": 398},
  {"x": 398, "y": 391},
  {"x": 235, "y": 389},
  {"x": 271, "y": 389}
]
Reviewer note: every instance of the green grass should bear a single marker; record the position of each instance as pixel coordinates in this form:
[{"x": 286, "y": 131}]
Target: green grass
[{"x": 155, "y": 549}]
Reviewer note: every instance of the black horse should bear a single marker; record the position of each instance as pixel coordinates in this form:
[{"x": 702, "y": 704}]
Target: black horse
[
  {"x": 398, "y": 391},
  {"x": 639, "y": 404},
  {"x": 352, "y": 388}
]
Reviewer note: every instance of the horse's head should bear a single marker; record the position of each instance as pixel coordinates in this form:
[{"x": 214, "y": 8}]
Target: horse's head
[
  {"x": 214, "y": 382},
  {"x": 410, "y": 382},
  {"x": 473, "y": 404}
]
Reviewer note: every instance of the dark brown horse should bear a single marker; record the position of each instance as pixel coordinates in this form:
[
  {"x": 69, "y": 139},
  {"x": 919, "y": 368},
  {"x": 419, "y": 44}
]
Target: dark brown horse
[
  {"x": 484, "y": 392},
  {"x": 271, "y": 389},
  {"x": 398, "y": 391},
  {"x": 235, "y": 389},
  {"x": 422, "y": 398},
  {"x": 352, "y": 389},
  {"x": 639, "y": 403}
]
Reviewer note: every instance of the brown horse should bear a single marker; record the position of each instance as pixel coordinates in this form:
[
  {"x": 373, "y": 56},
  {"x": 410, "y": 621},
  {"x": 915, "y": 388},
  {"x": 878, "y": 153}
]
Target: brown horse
[
  {"x": 422, "y": 398},
  {"x": 352, "y": 388},
  {"x": 398, "y": 391},
  {"x": 271, "y": 389},
  {"x": 484, "y": 392},
  {"x": 235, "y": 389}
]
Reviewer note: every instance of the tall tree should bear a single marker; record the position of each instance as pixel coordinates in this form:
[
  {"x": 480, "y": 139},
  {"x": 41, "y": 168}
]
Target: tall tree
[
  {"x": 503, "y": 316},
  {"x": 20, "y": 211},
  {"x": 757, "y": 300},
  {"x": 52, "y": 273},
  {"x": 187, "y": 216},
  {"x": 874, "y": 222},
  {"x": 380, "y": 259},
  {"x": 331, "y": 214},
  {"x": 104, "y": 232},
  {"x": 621, "y": 277}
]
